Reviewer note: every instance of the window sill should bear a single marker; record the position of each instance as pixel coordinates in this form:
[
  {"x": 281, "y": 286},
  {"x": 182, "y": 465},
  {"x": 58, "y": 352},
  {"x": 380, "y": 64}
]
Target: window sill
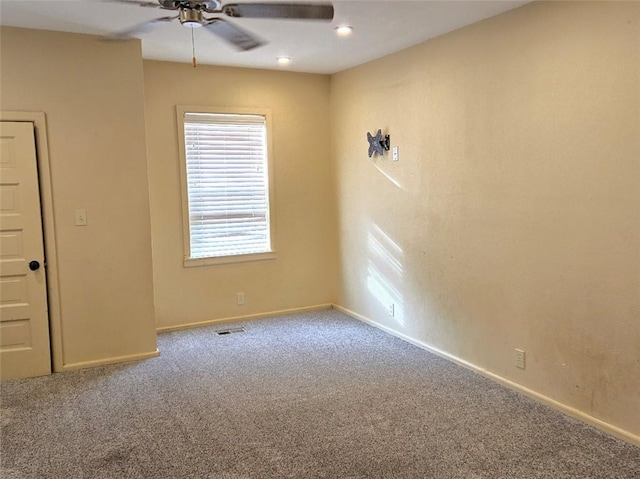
[{"x": 241, "y": 258}]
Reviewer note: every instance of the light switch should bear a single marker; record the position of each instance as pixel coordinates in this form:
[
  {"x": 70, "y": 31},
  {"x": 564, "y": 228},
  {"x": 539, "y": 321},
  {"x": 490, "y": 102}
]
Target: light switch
[
  {"x": 395, "y": 153},
  {"x": 81, "y": 217}
]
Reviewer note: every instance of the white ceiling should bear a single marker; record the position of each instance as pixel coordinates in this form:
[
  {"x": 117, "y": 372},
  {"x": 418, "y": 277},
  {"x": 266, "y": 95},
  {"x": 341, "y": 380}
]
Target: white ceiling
[{"x": 380, "y": 27}]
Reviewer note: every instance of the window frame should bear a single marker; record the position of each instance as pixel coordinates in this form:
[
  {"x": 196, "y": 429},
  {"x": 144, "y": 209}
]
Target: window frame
[{"x": 186, "y": 234}]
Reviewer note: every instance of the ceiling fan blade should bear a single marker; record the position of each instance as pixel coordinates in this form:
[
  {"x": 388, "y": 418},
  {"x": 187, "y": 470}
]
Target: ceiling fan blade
[
  {"x": 137, "y": 29},
  {"x": 304, "y": 11},
  {"x": 140, "y": 3},
  {"x": 233, "y": 34}
]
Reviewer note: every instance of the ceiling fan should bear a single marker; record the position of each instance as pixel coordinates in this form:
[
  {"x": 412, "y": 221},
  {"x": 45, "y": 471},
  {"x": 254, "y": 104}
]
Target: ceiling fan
[{"x": 191, "y": 13}]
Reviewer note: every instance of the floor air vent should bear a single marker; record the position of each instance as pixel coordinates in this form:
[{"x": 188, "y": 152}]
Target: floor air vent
[{"x": 222, "y": 332}]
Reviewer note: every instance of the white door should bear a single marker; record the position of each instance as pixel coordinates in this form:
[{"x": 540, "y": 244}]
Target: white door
[{"x": 24, "y": 321}]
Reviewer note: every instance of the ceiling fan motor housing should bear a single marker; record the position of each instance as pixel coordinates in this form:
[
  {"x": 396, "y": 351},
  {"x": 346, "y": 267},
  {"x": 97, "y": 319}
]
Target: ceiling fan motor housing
[{"x": 205, "y": 5}]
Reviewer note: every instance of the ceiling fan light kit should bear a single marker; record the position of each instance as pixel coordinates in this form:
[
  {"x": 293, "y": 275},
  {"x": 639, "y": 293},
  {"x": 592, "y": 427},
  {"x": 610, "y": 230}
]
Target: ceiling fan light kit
[
  {"x": 191, "y": 13},
  {"x": 191, "y": 18}
]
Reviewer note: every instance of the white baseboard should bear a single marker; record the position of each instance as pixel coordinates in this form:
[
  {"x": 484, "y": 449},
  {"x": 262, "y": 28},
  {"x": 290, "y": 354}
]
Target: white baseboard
[
  {"x": 114, "y": 360},
  {"x": 210, "y": 322},
  {"x": 570, "y": 411}
]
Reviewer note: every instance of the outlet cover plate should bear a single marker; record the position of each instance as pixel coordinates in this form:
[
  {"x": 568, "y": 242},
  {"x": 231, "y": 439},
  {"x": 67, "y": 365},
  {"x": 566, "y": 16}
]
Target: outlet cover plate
[{"x": 520, "y": 358}]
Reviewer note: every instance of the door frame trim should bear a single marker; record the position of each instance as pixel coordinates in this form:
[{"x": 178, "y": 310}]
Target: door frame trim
[{"x": 48, "y": 225}]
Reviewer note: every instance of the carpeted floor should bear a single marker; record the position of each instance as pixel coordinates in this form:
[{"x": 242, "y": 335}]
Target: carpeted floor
[{"x": 301, "y": 396}]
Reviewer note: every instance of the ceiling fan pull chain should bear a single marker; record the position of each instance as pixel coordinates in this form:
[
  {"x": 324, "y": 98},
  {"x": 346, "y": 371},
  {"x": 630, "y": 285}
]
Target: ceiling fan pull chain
[{"x": 193, "y": 49}]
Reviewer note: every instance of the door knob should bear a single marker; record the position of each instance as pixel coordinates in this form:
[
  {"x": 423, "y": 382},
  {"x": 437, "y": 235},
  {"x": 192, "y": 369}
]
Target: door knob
[{"x": 34, "y": 265}]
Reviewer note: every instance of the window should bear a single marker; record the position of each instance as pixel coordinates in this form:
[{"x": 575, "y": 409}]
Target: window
[{"x": 226, "y": 186}]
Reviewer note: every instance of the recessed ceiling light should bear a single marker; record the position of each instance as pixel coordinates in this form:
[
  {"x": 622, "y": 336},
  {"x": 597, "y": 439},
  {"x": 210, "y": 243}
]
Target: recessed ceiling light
[
  {"x": 344, "y": 30},
  {"x": 283, "y": 60}
]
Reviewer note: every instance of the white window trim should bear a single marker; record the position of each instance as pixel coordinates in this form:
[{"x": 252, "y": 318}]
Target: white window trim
[{"x": 186, "y": 240}]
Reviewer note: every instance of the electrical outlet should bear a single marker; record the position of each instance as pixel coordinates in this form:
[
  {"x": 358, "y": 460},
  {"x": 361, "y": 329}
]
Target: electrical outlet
[
  {"x": 239, "y": 299},
  {"x": 520, "y": 358},
  {"x": 396, "y": 155},
  {"x": 392, "y": 309},
  {"x": 81, "y": 217}
]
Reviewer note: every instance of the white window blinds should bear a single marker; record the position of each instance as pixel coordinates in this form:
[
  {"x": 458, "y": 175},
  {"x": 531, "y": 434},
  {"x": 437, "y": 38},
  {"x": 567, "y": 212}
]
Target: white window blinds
[{"x": 227, "y": 184}]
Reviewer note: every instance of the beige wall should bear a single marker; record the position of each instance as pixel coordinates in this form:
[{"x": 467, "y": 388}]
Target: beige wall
[
  {"x": 512, "y": 219},
  {"x": 304, "y": 272},
  {"x": 92, "y": 95}
]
